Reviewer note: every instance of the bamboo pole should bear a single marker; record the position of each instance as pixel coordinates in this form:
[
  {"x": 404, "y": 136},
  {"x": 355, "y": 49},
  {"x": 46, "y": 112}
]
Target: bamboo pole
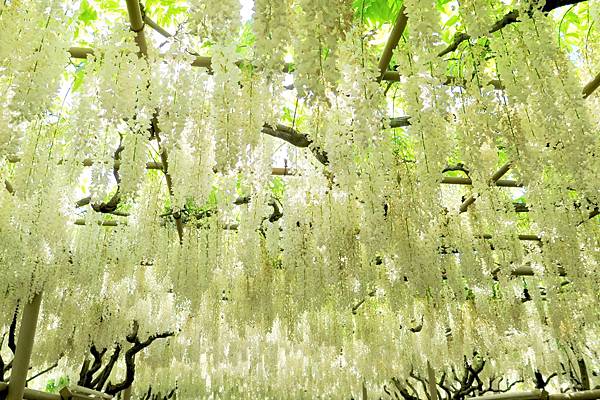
[
  {"x": 152, "y": 165},
  {"x": 136, "y": 22},
  {"x": 137, "y": 25},
  {"x": 591, "y": 86},
  {"x": 497, "y": 175},
  {"x": 431, "y": 382},
  {"x": 31, "y": 394},
  {"x": 86, "y": 392},
  {"x": 540, "y": 394},
  {"x": 18, "y": 375},
  {"x": 458, "y": 180},
  {"x": 157, "y": 27},
  {"x": 583, "y": 395},
  {"x": 279, "y": 171},
  {"x": 81, "y": 222},
  {"x": 530, "y": 395},
  {"x": 392, "y": 42},
  {"x": 390, "y": 76}
]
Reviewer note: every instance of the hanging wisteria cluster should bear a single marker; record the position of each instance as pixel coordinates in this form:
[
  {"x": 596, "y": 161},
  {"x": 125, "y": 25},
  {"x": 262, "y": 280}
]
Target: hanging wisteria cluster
[{"x": 140, "y": 196}]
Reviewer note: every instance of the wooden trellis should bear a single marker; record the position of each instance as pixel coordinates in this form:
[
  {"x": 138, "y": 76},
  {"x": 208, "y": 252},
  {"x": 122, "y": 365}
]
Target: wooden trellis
[{"x": 16, "y": 387}]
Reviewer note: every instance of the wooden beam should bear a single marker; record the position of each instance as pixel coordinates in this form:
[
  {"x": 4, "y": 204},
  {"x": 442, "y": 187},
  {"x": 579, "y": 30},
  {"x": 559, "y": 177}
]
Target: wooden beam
[
  {"x": 392, "y": 42},
  {"x": 431, "y": 383},
  {"x": 497, "y": 175},
  {"x": 31, "y": 394},
  {"x": 18, "y": 375},
  {"x": 591, "y": 86},
  {"x": 531, "y": 395},
  {"x": 459, "y": 180},
  {"x": 136, "y": 23},
  {"x": 393, "y": 76},
  {"x": 152, "y": 165},
  {"x": 525, "y": 237},
  {"x": 76, "y": 392},
  {"x": 81, "y": 222},
  {"x": 540, "y": 394},
  {"x": 582, "y": 395},
  {"x": 157, "y": 27}
]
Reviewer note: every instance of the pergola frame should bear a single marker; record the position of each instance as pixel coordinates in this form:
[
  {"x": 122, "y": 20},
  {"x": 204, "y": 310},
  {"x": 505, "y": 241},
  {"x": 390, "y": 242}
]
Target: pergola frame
[{"x": 16, "y": 387}]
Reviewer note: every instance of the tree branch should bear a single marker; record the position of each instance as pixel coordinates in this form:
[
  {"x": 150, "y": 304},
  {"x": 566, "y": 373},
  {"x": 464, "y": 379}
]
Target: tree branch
[
  {"x": 540, "y": 383},
  {"x": 497, "y": 175},
  {"x": 12, "y": 344},
  {"x": 50, "y": 368},
  {"x": 423, "y": 382},
  {"x": 100, "y": 380},
  {"x": 9, "y": 187},
  {"x": 164, "y": 157},
  {"x": 509, "y": 18},
  {"x": 302, "y": 140},
  {"x": 130, "y": 354},
  {"x": 402, "y": 390},
  {"x": 86, "y": 374},
  {"x": 360, "y": 303},
  {"x": 288, "y": 134},
  {"x": 550, "y": 5},
  {"x": 295, "y": 138},
  {"x": 444, "y": 387}
]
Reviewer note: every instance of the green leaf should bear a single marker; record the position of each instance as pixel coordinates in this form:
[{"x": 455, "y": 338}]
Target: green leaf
[
  {"x": 51, "y": 386},
  {"x": 439, "y": 4},
  {"x": 79, "y": 77},
  {"x": 453, "y": 20},
  {"x": 376, "y": 12},
  {"x": 573, "y": 18},
  {"x": 278, "y": 187},
  {"x": 87, "y": 12}
]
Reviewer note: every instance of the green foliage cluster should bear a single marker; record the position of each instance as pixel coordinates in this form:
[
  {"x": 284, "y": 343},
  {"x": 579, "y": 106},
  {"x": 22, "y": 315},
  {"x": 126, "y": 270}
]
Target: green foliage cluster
[{"x": 55, "y": 385}]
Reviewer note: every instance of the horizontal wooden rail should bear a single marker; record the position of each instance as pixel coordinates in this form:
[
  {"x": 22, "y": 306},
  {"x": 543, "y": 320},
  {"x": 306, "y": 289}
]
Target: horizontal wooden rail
[
  {"x": 393, "y": 76},
  {"x": 542, "y": 395},
  {"x": 155, "y": 166},
  {"x": 31, "y": 394},
  {"x": 459, "y": 180},
  {"x": 497, "y": 175}
]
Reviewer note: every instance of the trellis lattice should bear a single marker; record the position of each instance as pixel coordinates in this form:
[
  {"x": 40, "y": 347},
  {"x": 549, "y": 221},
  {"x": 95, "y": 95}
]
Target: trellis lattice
[{"x": 366, "y": 245}]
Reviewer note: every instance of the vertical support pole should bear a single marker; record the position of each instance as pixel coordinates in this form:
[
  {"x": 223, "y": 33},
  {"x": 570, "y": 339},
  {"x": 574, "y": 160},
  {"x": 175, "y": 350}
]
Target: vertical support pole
[
  {"x": 137, "y": 25},
  {"x": 585, "y": 378},
  {"x": 136, "y": 20},
  {"x": 127, "y": 393},
  {"x": 18, "y": 375},
  {"x": 392, "y": 42},
  {"x": 432, "y": 383}
]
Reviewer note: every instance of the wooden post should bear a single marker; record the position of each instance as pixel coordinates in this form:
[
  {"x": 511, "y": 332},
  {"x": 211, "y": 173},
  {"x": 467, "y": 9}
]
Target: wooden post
[
  {"x": 137, "y": 25},
  {"x": 432, "y": 383},
  {"x": 18, "y": 375},
  {"x": 127, "y": 393},
  {"x": 392, "y": 42}
]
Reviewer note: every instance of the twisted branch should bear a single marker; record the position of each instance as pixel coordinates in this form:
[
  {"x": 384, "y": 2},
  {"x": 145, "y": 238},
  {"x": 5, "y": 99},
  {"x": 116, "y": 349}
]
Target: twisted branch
[
  {"x": 509, "y": 18},
  {"x": 113, "y": 389}
]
